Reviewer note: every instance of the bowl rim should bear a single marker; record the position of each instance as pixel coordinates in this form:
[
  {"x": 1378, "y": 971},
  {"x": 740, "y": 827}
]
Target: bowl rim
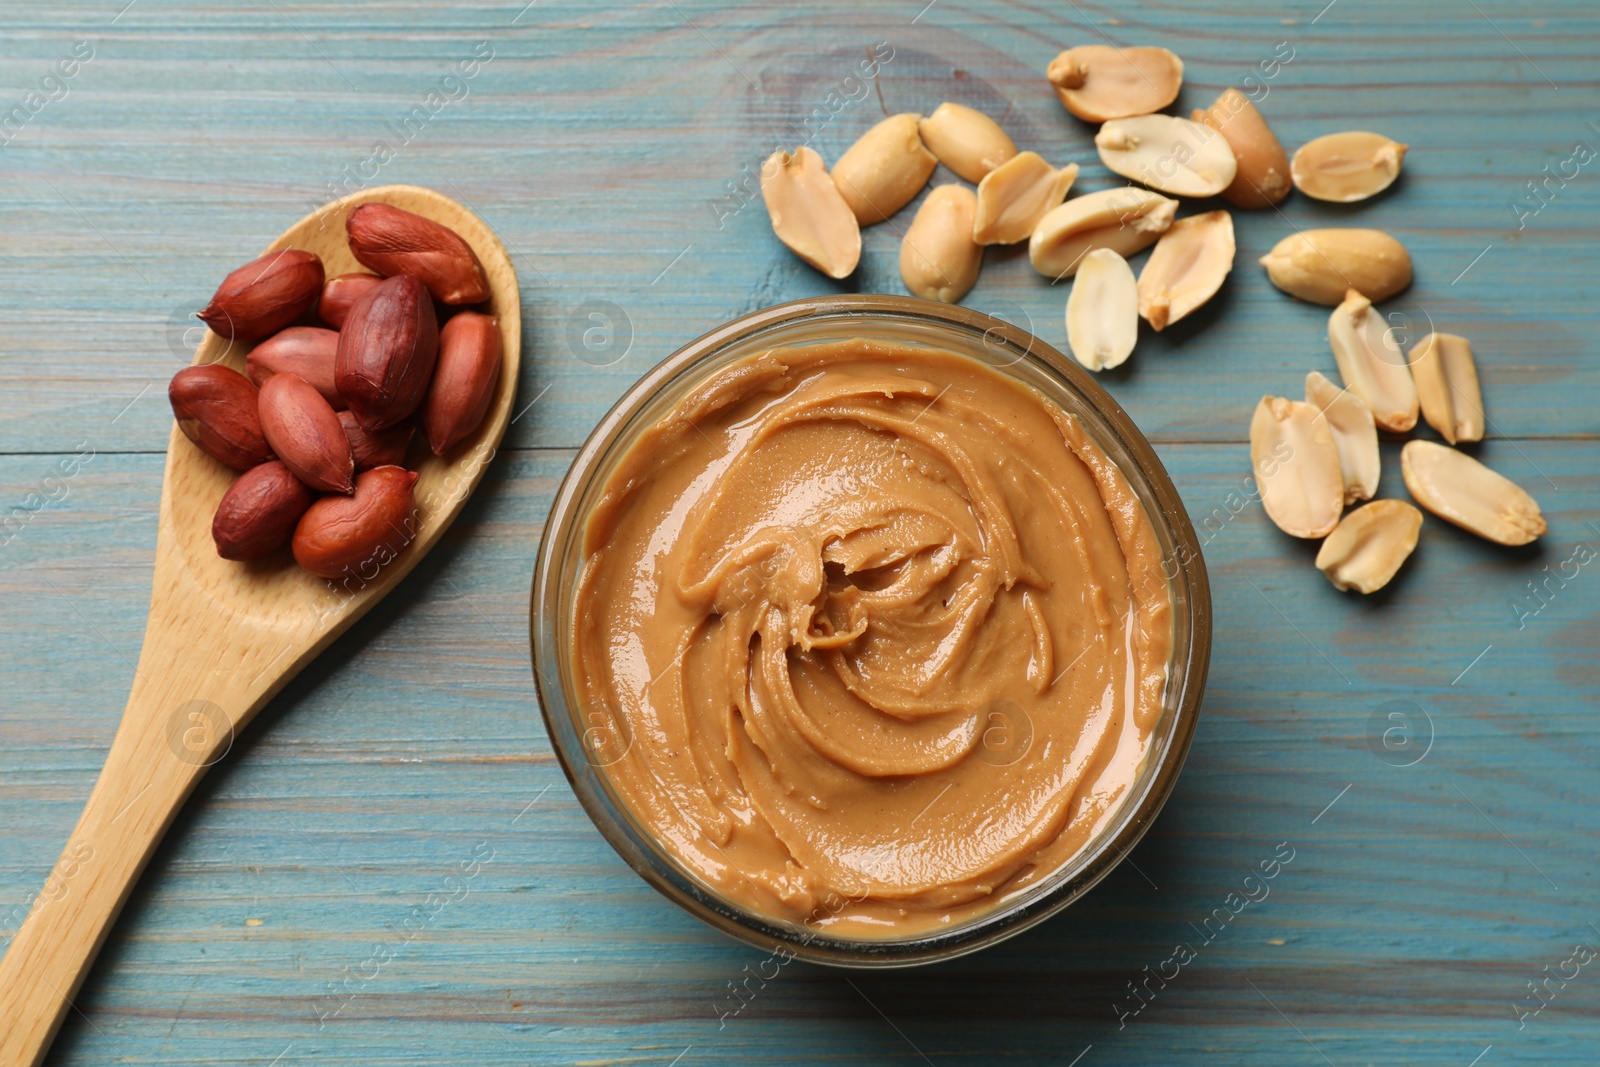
[{"x": 1099, "y": 856}]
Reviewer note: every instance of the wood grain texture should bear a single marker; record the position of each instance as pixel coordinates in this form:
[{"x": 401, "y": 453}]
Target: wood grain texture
[
  {"x": 223, "y": 638},
  {"x": 427, "y": 889}
]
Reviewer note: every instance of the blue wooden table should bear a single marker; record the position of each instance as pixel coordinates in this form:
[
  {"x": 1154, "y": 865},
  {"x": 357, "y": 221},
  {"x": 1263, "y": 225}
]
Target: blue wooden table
[{"x": 1426, "y": 756}]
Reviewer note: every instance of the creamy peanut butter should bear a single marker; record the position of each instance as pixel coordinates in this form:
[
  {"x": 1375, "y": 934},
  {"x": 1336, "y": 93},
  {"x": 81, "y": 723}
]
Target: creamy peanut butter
[{"x": 880, "y": 635}]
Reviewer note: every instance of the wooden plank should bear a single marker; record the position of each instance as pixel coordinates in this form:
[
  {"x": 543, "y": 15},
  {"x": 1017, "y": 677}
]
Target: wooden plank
[
  {"x": 1421, "y": 899},
  {"x": 415, "y": 746},
  {"x": 603, "y": 154}
]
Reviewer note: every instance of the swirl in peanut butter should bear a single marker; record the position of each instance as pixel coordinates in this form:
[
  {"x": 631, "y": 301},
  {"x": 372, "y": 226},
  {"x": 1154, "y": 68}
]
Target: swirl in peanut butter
[{"x": 882, "y": 627}]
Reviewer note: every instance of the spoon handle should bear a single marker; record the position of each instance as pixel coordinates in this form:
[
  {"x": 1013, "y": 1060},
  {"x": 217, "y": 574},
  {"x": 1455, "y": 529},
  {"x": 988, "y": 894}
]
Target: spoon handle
[{"x": 174, "y": 727}]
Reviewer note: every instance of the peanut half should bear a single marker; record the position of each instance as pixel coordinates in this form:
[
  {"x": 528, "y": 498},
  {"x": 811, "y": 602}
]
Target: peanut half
[
  {"x": 939, "y": 260},
  {"x": 1187, "y": 267},
  {"x": 1296, "y": 467},
  {"x": 1102, "y": 311},
  {"x": 1447, "y": 386},
  {"x": 885, "y": 169},
  {"x": 1369, "y": 545},
  {"x": 1320, "y": 266},
  {"x": 1125, "y": 220},
  {"x": 809, "y": 214},
  {"x": 1371, "y": 363},
  {"x": 1169, "y": 154},
  {"x": 1014, "y": 196},
  {"x": 1097, "y": 82},
  {"x": 967, "y": 141},
  {"x": 1459, "y": 489},
  {"x": 1355, "y": 435},
  {"x": 1345, "y": 167},
  {"x": 1262, "y": 175}
]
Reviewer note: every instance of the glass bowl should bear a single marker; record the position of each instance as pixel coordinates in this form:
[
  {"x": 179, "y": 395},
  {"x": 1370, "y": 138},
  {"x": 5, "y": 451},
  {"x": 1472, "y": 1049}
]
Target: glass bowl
[{"x": 585, "y": 748}]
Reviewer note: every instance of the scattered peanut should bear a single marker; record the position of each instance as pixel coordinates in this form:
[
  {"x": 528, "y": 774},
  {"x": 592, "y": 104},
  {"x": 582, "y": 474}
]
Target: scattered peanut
[
  {"x": 809, "y": 214},
  {"x": 1098, "y": 82},
  {"x": 1102, "y": 311},
  {"x": 1369, "y": 545},
  {"x": 1459, "y": 489},
  {"x": 1320, "y": 266},
  {"x": 1126, "y": 220},
  {"x": 1371, "y": 364},
  {"x": 885, "y": 169},
  {"x": 1296, "y": 466},
  {"x": 1186, "y": 268},
  {"x": 1346, "y": 167},
  {"x": 1447, "y": 386},
  {"x": 1355, "y": 435},
  {"x": 939, "y": 260},
  {"x": 969, "y": 142},
  {"x": 1169, "y": 154},
  {"x": 1262, "y": 175},
  {"x": 1014, "y": 196}
]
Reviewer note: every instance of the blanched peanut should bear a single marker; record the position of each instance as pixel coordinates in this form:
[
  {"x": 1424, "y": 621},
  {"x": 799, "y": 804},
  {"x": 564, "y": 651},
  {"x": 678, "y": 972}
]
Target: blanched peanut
[
  {"x": 808, "y": 214},
  {"x": 967, "y": 141},
  {"x": 1187, "y": 267},
  {"x": 1014, "y": 196},
  {"x": 939, "y": 260},
  {"x": 885, "y": 169},
  {"x": 1097, "y": 82},
  {"x": 1262, "y": 177},
  {"x": 1369, "y": 545}
]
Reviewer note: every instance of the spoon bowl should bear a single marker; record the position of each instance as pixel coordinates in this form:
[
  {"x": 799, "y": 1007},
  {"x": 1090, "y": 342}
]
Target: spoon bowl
[{"x": 222, "y": 638}]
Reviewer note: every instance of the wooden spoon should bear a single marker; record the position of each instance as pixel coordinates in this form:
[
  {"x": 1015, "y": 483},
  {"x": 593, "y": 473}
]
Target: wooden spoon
[{"x": 222, "y": 638}]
